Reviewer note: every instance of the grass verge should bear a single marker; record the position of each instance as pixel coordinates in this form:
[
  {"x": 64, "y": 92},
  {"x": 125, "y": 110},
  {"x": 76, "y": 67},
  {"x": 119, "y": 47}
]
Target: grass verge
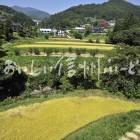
[{"x": 108, "y": 128}]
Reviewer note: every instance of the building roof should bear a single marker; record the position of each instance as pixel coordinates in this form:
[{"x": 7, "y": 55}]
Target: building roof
[{"x": 79, "y": 28}]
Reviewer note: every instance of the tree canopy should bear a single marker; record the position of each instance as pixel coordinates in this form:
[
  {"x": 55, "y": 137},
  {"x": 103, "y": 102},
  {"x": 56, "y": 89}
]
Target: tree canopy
[
  {"x": 126, "y": 31},
  {"x": 74, "y": 16}
]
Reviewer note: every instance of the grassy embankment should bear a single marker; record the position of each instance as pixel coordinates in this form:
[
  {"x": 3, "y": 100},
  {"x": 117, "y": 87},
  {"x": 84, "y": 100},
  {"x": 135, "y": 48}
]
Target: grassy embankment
[{"x": 108, "y": 128}]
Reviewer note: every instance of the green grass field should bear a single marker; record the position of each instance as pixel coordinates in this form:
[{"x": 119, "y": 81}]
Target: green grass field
[
  {"x": 57, "y": 118},
  {"x": 43, "y": 60}
]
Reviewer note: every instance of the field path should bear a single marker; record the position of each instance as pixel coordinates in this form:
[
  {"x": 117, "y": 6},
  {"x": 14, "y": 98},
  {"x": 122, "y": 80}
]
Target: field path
[{"x": 54, "y": 119}]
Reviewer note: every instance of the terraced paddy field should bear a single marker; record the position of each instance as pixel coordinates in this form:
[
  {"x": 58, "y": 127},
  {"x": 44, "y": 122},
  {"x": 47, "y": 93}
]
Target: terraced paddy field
[
  {"x": 67, "y": 44},
  {"x": 55, "y": 119},
  {"x": 73, "y": 43}
]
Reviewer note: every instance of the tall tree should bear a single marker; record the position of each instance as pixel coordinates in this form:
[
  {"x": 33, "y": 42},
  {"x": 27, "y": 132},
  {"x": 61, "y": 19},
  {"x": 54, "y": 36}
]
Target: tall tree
[
  {"x": 8, "y": 30},
  {"x": 126, "y": 31},
  {"x": 11, "y": 84}
]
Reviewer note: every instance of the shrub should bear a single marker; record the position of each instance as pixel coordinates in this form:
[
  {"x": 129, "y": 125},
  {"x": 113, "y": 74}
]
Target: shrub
[
  {"x": 88, "y": 31},
  {"x": 46, "y": 36},
  {"x": 70, "y": 50},
  {"x": 37, "y": 82},
  {"x": 48, "y": 51},
  {"x": 56, "y": 50},
  {"x": 78, "y": 35},
  {"x": 92, "y": 53},
  {"x": 107, "y": 41},
  {"x": 79, "y": 81},
  {"x": 90, "y": 41},
  {"x": 44, "y": 50},
  {"x": 83, "y": 51},
  {"x": 17, "y": 51},
  {"x": 13, "y": 82},
  {"x": 78, "y": 51},
  {"x": 30, "y": 50},
  {"x": 137, "y": 93},
  {"x": 64, "y": 50},
  {"x": 65, "y": 84},
  {"x": 118, "y": 83},
  {"x": 97, "y": 40},
  {"x": 36, "y": 51}
]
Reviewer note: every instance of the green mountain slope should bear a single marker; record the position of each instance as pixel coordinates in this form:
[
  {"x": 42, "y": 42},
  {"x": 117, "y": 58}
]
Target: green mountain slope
[
  {"x": 31, "y": 12},
  {"x": 12, "y": 15},
  {"x": 113, "y": 9}
]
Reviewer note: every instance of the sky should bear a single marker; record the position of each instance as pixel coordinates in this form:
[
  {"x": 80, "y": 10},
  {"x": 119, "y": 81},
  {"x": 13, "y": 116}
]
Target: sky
[{"x": 53, "y": 6}]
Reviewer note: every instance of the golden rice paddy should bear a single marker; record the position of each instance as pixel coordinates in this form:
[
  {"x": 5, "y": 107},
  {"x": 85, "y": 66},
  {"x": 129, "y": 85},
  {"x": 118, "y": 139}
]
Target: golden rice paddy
[
  {"x": 73, "y": 43},
  {"x": 54, "y": 119},
  {"x": 67, "y": 44}
]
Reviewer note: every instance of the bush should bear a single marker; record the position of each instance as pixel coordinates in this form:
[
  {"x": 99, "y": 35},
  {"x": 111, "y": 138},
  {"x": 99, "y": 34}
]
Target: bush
[
  {"x": 93, "y": 52},
  {"x": 97, "y": 40},
  {"x": 48, "y": 51},
  {"x": 78, "y": 51},
  {"x": 36, "y": 51},
  {"x": 30, "y": 50},
  {"x": 46, "y": 36},
  {"x": 17, "y": 52},
  {"x": 37, "y": 82},
  {"x": 78, "y": 80},
  {"x": 83, "y": 51},
  {"x": 65, "y": 84},
  {"x": 118, "y": 83},
  {"x": 56, "y": 50},
  {"x": 107, "y": 41},
  {"x": 90, "y": 41},
  {"x": 70, "y": 50},
  {"x": 78, "y": 35},
  {"x": 88, "y": 31},
  {"x": 12, "y": 82},
  {"x": 64, "y": 50}
]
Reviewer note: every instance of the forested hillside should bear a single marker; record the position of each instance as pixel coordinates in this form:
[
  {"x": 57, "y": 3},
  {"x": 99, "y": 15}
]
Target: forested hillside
[
  {"x": 10, "y": 14},
  {"x": 113, "y": 9},
  {"x": 12, "y": 21},
  {"x": 32, "y": 13}
]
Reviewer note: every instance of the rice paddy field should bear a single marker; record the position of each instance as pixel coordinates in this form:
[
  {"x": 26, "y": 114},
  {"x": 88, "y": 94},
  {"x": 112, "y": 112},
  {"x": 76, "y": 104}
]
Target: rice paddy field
[
  {"x": 65, "y": 43},
  {"x": 57, "y": 118}
]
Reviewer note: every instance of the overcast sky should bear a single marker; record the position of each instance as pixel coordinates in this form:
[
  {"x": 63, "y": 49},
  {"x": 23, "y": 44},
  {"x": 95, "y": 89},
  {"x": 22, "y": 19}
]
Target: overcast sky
[{"x": 53, "y": 6}]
